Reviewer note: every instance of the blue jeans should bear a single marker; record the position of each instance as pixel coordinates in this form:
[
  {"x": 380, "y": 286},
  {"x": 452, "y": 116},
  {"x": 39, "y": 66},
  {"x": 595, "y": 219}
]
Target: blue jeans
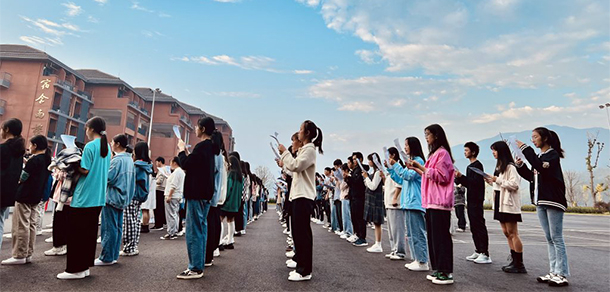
[
  {"x": 3, "y": 216},
  {"x": 551, "y": 220},
  {"x": 245, "y": 215},
  {"x": 346, "y": 216},
  {"x": 334, "y": 220},
  {"x": 112, "y": 230},
  {"x": 196, "y": 232},
  {"x": 416, "y": 235}
]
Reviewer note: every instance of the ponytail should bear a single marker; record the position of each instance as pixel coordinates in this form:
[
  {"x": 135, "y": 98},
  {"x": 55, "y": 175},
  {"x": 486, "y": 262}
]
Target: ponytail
[
  {"x": 551, "y": 138},
  {"x": 315, "y": 134},
  {"x": 98, "y": 125}
]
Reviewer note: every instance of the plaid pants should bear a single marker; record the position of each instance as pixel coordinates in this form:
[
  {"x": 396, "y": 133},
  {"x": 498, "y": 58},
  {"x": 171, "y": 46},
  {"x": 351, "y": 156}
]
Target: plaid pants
[{"x": 131, "y": 227}]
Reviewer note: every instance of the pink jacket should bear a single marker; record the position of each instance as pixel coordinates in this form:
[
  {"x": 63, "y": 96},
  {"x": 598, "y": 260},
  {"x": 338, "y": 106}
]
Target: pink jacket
[{"x": 437, "y": 182}]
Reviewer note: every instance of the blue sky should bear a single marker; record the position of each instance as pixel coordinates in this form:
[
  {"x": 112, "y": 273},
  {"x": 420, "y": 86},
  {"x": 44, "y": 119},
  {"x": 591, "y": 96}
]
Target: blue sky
[{"x": 366, "y": 72}]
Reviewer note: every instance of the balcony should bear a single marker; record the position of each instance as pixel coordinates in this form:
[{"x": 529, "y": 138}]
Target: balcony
[
  {"x": 85, "y": 94},
  {"x": 137, "y": 107},
  {"x": 130, "y": 125},
  {"x": 6, "y": 79},
  {"x": 2, "y": 106},
  {"x": 68, "y": 86},
  {"x": 76, "y": 116},
  {"x": 186, "y": 121}
]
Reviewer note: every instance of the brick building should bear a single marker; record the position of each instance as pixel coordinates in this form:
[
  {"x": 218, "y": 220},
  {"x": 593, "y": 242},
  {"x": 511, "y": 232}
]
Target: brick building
[{"x": 52, "y": 99}]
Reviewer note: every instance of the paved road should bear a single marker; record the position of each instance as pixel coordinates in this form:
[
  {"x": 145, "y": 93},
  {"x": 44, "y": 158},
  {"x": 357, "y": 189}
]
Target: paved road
[{"x": 257, "y": 264}]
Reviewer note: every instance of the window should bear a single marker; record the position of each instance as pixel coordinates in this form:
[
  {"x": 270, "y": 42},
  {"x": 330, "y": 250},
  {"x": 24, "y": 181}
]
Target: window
[
  {"x": 77, "y": 108},
  {"x": 162, "y": 130},
  {"x": 174, "y": 108},
  {"x": 112, "y": 117},
  {"x": 56, "y": 101},
  {"x": 131, "y": 120},
  {"x": 73, "y": 130},
  {"x": 52, "y": 127}
]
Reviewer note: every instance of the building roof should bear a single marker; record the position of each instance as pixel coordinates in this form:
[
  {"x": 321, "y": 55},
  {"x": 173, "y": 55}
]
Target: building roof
[
  {"x": 23, "y": 52},
  {"x": 192, "y": 110},
  {"x": 147, "y": 95},
  {"x": 95, "y": 76}
]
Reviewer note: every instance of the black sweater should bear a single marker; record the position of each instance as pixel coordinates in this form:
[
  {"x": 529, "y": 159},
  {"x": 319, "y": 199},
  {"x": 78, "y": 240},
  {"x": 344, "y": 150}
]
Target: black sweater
[
  {"x": 31, "y": 191},
  {"x": 11, "y": 159},
  {"x": 551, "y": 186},
  {"x": 199, "y": 169},
  {"x": 356, "y": 185},
  {"x": 474, "y": 183}
]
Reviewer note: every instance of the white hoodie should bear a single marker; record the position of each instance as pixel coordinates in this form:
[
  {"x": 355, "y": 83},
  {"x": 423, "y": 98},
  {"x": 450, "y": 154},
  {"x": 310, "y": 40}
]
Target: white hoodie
[{"x": 303, "y": 169}]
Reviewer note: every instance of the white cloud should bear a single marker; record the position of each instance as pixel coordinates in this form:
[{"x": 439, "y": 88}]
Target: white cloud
[
  {"x": 137, "y": 6},
  {"x": 101, "y": 2},
  {"x": 311, "y": 3},
  {"x": 164, "y": 15},
  {"x": 236, "y": 94},
  {"x": 73, "y": 9},
  {"x": 537, "y": 113},
  {"x": 37, "y": 41},
  {"x": 300, "y": 72},
  {"x": 262, "y": 63},
  {"x": 92, "y": 19}
]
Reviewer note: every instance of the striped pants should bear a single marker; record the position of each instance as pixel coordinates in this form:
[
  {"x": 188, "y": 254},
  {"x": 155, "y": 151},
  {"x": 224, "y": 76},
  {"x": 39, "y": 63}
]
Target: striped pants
[{"x": 131, "y": 226}]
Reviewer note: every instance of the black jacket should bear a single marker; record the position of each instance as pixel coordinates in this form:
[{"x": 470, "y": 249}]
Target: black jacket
[
  {"x": 32, "y": 190},
  {"x": 474, "y": 183},
  {"x": 356, "y": 185},
  {"x": 11, "y": 160},
  {"x": 551, "y": 186},
  {"x": 199, "y": 169}
]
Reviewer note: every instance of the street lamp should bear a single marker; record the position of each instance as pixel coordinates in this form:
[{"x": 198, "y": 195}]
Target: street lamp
[
  {"x": 606, "y": 106},
  {"x": 152, "y": 114}
]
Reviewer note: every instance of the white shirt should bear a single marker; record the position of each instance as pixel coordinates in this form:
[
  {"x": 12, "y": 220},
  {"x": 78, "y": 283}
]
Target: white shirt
[
  {"x": 303, "y": 168},
  {"x": 175, "y": 182}
]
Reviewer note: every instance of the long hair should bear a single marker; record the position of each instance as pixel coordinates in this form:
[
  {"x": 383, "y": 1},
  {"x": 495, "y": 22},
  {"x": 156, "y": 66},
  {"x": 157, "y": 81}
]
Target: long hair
[
  {"x": 415, "y": 149},
  {"x": 504, "y": 156},
  {"x": 371, "y": 157},
  {"x": 234, "y": 168},
  {"x": 218, "y": 141},
  {"x": 314, "y": 134},
  {"x": 98, "y": 125},
  {"x": 140, "y": 152},
  {"x": 551, "y": 138},
  {"x": 41, "y": 143},
  {"x": 14, "y": 126},
  {"x": 394, "y": 153},
  {"x": 440, "y": 140}
]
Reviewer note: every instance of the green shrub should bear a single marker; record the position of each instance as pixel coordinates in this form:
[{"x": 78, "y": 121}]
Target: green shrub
[
  {"x": 528, "y": 208},
  {"x": 487, "y": 207},
  {"x": 586, "y": 210}
]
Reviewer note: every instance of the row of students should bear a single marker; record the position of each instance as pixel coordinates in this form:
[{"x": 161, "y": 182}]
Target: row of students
[{"x": 418, "y": 196}]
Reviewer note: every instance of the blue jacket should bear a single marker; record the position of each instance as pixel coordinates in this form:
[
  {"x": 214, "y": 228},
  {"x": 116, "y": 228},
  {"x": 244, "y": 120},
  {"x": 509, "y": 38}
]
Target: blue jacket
[
  {"x": 143, "y": 172},
  {"x": 121, "y": 181},
  {"x": 218, "y": 163},
  {"x": 410, "y": 195}
]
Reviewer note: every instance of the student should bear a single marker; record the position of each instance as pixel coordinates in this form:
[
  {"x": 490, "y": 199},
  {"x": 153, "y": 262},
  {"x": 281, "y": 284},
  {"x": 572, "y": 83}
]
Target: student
[
  {"x": 357, "y": 189},
  {"x": 437, "y": 198},
  {"x": 174, "y": 188},
  {"x": 374, "y": 210},
  {"x": 547, "y": 189},
  {"x": 198, "y": 191},
  {"x": 507, "y": 203},
  {"x": 475, "y": 197},
  {"x": 411, "y": 200},
  {"x": 131, "y": 230},
  {"x": 161, "y": 180},
  {"x": 459, "y": 197},
  {"x": 119, "y": 193},
  {"x": 348, "y": 229},
  {"x": 235, "y": 187},
  {"x": 218, "y": 199},
  {"x": 87, "y": 202},
  {"x": 11, "y": 160},
  {"x": 30, "y": 190},
  {"x": 395, "y": 211},
  {"x": 150, "y": 205},
  {"x": 336, "y": 179},
  {"x": 302, "y": 196}
]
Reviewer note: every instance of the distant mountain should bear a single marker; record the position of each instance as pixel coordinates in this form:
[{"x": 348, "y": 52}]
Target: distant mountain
[{"x": 573, "y": 142}]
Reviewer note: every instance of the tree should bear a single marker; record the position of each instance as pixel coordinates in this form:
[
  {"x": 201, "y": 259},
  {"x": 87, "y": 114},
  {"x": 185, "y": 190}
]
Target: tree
[
  {"x": 592, "y": 143},
  {"x": 572, "y": 180},
  {"x": 266, "y": 177}
]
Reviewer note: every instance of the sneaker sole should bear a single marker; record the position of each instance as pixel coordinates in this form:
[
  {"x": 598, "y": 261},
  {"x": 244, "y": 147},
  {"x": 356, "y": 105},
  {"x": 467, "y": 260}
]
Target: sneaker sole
[
  {"x": 441, "y": 282},
  {"x": 190, "y": 277},
  {"x": 551, "y": 283},
  {"x": 483, "y": 263}
]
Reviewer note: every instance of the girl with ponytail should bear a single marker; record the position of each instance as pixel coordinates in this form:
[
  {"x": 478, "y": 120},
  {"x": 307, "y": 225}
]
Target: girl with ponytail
[
  {"x": 303, "y": 193},
  {"x": 547, "y": 190},
  {"x": 87, "y": 201}
]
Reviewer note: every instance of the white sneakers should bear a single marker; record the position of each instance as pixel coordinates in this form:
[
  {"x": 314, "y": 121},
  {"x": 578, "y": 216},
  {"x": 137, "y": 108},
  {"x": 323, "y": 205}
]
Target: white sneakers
[
  {"x": 343, "y": 236},
  {"x": 99, "y": 240},
  {"x": 352, "y": 238},
  {"x": 14, "y": 261},
  {"x": 473, "y": 257},
  {"x": 49, "y": 240},
  {"x": 291, "y": 264},
  {"x": 57, "y": 251},
  {"x": 290, "y": 254},
  {"x": 376, "y": 248},
  {"x": 129, "y": 254},
  {"x": 73, "y": 276},
  {"x": 416, "y": 266},
  {"x": 216, "y": 253},
  {"x": 482, "y": 259},
  {"x": 286, "y": 231},
  {"x": 99, "y": 262},
  {"x": 296, "y": 277},
  {"x": 397, "y": 257}
]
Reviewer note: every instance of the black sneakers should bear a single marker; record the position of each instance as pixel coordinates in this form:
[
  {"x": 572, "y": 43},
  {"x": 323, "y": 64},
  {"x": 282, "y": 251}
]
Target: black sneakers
[
  {"x": 189, "y": 274},
  {"x": 169, "y": 237}
]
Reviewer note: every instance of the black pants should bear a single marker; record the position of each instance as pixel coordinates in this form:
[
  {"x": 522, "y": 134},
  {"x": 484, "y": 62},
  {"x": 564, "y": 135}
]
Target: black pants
[
  {"x": 213, "y": 238},
  {"x": 287, "y": 213},
  {"x": 477, "y": 227},
  {"x": 60, "y": 226},
  {"x": 327, "y": 210},
  {"x": 440, "y": 244},
  {"x": 181, "y": 215},
  {"x": 82, "y": 237},
  {"x": 160, "y": 210},
  {"x": 302, "y": 236},
  {"x": 239, "y": 220},
  {"x": 338, "y": 211},
  {"x": 358, "y": 222},
  {"x": 459, "y": 212}
]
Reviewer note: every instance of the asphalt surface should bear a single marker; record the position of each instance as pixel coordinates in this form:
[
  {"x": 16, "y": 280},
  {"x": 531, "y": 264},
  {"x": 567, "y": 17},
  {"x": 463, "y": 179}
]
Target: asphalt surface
[{"x": 258, "y": 263}]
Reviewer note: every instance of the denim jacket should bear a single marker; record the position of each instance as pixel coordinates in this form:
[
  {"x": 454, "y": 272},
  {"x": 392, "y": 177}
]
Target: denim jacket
[
  {"x": 121, "y": 181},
  {"x": 143, "y": 171}
]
